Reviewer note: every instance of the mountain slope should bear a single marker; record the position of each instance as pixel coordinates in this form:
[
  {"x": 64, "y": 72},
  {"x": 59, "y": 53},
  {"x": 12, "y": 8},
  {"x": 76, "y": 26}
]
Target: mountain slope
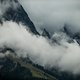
[
  {"x": 16, "y": 13},
  {"x": 46, "y": 34},
  {"x": 15, "y": 68}
]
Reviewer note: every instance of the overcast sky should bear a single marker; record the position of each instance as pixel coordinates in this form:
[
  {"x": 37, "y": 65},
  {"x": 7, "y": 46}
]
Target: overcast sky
[{"x": 53, "y": 14}]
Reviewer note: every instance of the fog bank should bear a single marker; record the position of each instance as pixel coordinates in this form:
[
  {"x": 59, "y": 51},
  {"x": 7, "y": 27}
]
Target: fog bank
[{"x": 65, "y": 56}]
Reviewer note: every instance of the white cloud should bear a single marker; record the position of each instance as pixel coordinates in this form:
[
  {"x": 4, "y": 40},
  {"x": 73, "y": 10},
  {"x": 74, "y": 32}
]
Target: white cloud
[{"x": 65, "y": 56}]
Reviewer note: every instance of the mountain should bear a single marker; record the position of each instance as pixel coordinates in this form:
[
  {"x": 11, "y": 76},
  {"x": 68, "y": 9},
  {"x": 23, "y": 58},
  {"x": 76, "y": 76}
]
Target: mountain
[
  {"x": 45, "y": 33},
  {"x": 18, "y": 68},
  {"x": 15, "y": 68},
  {"x": 67, "y": 30},
  {"x": 75, "y": 36},
  {"x": 16, "y": 13}
]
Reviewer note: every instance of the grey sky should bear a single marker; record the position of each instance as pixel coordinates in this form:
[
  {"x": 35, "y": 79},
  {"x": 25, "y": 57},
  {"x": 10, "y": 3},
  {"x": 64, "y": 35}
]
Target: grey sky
[{"x": 53, "y": 14}]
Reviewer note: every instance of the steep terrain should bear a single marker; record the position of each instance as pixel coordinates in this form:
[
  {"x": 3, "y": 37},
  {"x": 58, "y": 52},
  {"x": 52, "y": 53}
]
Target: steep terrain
[
  {"x": 45, "y": 33},
  {"x": 17, "y": 15},
  {"x": 16, "y": 68}
]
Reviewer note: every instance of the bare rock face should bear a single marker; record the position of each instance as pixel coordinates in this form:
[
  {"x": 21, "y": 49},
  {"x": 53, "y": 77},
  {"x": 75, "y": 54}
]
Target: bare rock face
[{"x": 46, "y": 34}]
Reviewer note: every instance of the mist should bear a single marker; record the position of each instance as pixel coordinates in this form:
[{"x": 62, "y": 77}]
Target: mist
[
  {"x": 53, "y": 14},
  {"x": 40, "y": 50}
]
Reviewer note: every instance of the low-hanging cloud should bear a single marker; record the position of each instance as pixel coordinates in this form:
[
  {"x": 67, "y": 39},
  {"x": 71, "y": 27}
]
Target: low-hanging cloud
[
  {"x": 53, "y": 14},
  {"x": 65, "y": 56}
]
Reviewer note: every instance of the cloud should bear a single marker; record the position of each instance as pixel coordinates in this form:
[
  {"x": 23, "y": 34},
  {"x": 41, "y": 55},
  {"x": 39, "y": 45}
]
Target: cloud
[
  {"x": 53, "y": 14},
  {"x": 65, "y": 56}
]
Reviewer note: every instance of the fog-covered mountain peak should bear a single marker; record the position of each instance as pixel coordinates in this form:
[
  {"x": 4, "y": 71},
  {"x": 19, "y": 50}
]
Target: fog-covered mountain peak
[{"x": 13, "y": 10}]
